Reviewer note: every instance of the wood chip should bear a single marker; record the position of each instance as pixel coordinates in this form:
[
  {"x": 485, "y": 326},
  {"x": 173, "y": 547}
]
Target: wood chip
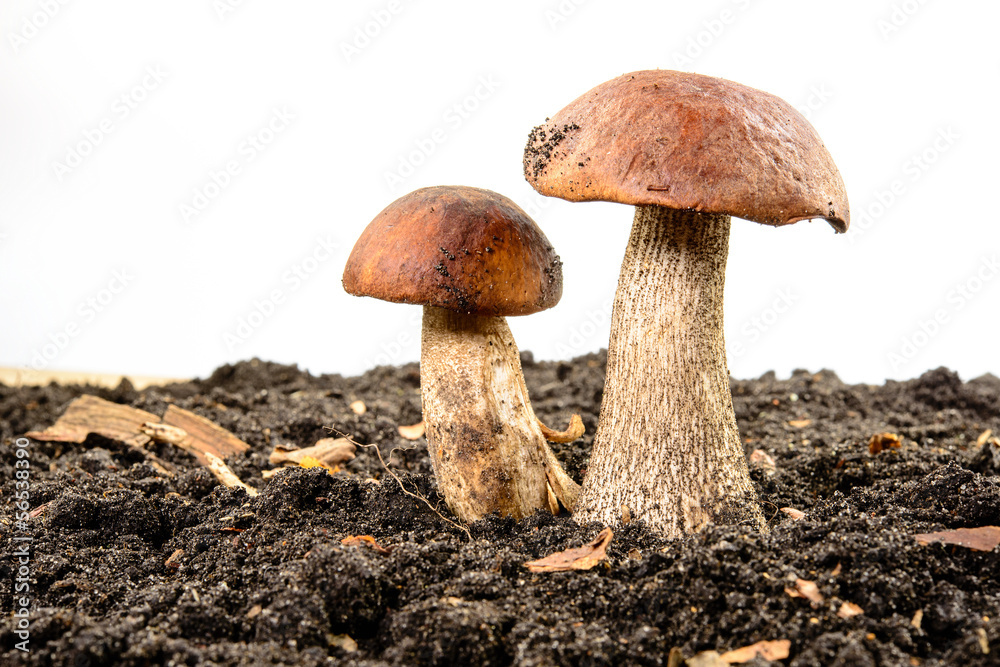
[
  {"x": 90, "y": 414},
  {"x": 412, "y": 432},
  {"x": 849, "y": 609},
  {"x": 806, "y": 589},
  {"x": 800, "y": 423},
  {"x": 366, "y": 541},
  {"x": 225, "y": 474},
  {"x": 578, "y": 558},
  {"x": 574, "y": 431},
  {"x": 769, "y": 650},
  {"x": 763, "y": 460},
  {"x": 329, "y": 451},
  {"x": 796, "y": 515},
  {"x": 254, "y": 611},
  {"x": 174, "y": 561},
  {"x": 984, "y": 437},
  {"x": 343, "y": 642},
  {"x": 918, "y": 618},
  {"x": 359, "y": 407},
  {"x": 984, "y": 538},
  {"x": 882, "y": 441},
  {"x": 204, "y": 436}
]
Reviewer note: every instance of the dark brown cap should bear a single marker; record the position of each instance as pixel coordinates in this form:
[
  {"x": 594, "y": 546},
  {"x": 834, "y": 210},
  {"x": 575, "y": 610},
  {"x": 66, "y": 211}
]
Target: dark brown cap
[
  {"x": 464, "y": 249},
  {"x": 688, "y": 141}
]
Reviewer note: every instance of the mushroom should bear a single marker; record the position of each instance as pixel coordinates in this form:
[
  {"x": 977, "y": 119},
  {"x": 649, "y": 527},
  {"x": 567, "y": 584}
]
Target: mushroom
[
  {"x": 688, "y": 151},
  {"x": 470, "y": 257}
]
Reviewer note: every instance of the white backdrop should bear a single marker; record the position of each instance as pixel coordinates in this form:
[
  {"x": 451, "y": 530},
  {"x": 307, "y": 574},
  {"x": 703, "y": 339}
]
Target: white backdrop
[{"x": 183, "y": 181}]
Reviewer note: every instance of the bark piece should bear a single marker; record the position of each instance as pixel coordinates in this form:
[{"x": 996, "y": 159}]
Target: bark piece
[
  {"x": 205, "y": 436},
  {"x": 578, "y": 558},
  {"x": 91, "y": 414}
]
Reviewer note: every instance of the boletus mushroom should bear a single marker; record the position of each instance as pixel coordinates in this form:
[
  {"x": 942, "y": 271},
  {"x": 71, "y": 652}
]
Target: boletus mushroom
[
  {"x": 471, "y": 258},
  {"x": 688, "y": 151}
]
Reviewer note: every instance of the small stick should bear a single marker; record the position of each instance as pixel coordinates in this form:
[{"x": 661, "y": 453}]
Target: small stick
[{"x": 226, "y": 475}]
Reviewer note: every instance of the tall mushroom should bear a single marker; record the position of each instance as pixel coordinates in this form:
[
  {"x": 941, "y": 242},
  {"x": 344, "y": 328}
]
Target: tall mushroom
[
  {"x": 470, "y": 257},
  {"x": 688, "y": 151}
]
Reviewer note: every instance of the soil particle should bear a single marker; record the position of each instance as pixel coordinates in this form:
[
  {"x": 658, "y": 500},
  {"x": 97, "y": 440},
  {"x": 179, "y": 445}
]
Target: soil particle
[{"x": 266, "y": 580}]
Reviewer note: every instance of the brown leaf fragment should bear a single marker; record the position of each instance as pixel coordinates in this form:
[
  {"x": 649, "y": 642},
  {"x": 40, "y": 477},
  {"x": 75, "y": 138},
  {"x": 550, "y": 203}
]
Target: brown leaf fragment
[
  {"x": 676, "y": 658},
  {"x": 578, "y": 558},
  {"x": 343, "y": 642},
  {"x": 882, "y": 441},
  {"x": 794, "y": 514},
  {"x": 359, "y": 407},
  {"x": 769, "y": 650},
  {"x": 90, "y": 414},
  {"x": 849, "y": 609},
  {"x": 174, "y": 560},
  {"x": 984, "y": 538},
  {"x": 984, "y": 437},
  {"x": 329, "y": 451},
  {"x": 204, "y": 436},
  {"x": 763, "y": 460},
  {"x": 574, "y": 431},
  {"x": 413, "y": 432},
  {"x": 837, "y": 570},
  {"x": 366, "y": 541},
  {"x": 806, "y": 589},
  {"x": 800, "y": 423}
]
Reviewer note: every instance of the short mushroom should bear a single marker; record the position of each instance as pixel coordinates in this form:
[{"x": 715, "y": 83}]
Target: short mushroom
[
  {"x": 688, "y": 151},
  {"x": 470, "y": 257}
]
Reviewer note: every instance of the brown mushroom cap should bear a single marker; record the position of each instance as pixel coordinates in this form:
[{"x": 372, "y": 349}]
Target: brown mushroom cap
[
  {"x": 465, "y": 249},
  {"x": 688, "y": 141}
]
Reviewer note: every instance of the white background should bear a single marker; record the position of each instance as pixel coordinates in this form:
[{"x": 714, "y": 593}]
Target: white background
[{"x": 114, "y": 115}]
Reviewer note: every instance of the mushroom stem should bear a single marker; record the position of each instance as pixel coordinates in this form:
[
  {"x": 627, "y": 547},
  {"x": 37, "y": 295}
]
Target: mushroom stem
[
  {"x": 667, "y": 405},
  {"x": 485, "y": 445}
]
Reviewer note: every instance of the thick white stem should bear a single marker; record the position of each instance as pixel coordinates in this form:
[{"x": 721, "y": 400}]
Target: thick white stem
[
  {"x": 667, "y": 449},
  {"x": 485, "y": 444}
]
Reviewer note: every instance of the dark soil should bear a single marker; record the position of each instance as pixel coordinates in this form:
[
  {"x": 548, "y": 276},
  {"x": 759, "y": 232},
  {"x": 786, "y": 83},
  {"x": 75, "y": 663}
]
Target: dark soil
[{"x": 266, "y": 580}]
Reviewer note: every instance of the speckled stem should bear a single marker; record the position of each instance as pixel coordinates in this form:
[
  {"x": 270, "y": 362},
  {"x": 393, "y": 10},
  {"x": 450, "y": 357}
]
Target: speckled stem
[
  {"x": 667, "y": 449},
  {"x": 485, "y": 444}
]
